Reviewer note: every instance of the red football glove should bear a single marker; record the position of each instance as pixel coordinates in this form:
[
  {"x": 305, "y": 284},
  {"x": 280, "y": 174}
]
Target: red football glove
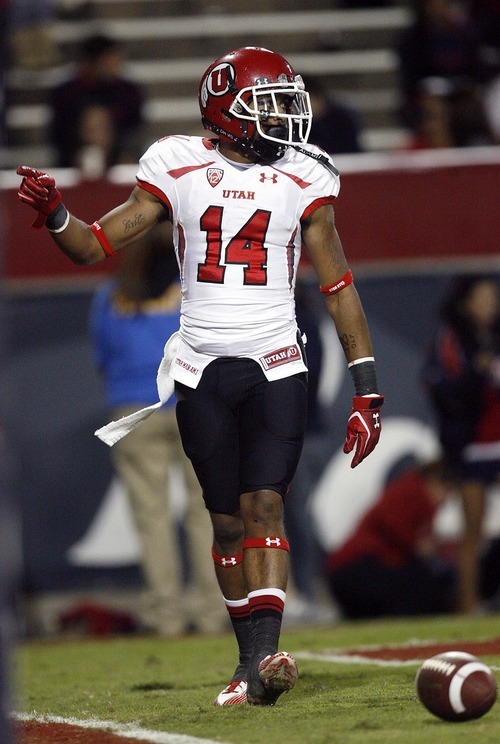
[
  {"x": 363, "y": 427},
  {"x": 38, "y": 189}
]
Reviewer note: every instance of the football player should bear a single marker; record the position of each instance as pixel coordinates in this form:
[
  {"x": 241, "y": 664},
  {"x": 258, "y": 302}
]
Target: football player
[{"x": 242, "y": 205}]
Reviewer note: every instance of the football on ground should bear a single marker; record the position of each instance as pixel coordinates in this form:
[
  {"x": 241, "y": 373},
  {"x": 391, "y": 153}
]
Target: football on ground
[{"x": 456, "y": 686}]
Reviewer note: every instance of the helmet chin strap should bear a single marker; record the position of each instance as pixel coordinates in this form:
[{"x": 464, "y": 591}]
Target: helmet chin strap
[
  {"x": 279, "y": 133},
  {"x": 266, "y": 150},
  {"x": 217, "y": 130}
]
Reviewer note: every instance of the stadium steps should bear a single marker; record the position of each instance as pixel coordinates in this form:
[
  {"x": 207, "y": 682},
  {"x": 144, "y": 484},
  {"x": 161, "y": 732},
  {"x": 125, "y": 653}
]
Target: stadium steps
[{"x": 350, "y": 50}]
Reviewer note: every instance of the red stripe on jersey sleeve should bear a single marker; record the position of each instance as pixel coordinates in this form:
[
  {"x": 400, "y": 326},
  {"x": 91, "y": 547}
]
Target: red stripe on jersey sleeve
[
  {"x": 296, "y": 179},
  {"x": 152, "y": 189},
  {"x": 315, "y": 205},
  {"x": 179, "y": 172}
]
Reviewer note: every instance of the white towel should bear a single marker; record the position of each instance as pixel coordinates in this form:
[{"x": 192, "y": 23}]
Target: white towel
[{"x": 115, "y": 430}]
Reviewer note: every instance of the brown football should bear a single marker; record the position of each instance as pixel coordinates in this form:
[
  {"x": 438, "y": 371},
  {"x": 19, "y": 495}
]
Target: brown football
[{"x": 456, "y": 686}]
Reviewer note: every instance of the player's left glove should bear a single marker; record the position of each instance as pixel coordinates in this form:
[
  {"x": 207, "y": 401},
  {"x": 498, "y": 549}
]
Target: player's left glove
[
  {"x": 363, "y": 427},
  {"x": 38, "y": 189}
]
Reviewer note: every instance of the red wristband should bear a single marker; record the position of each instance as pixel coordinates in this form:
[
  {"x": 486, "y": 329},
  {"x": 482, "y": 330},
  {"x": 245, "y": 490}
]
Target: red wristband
[
  {"x": 341, "y": 284},
  {"x": 101, "y": 237}
]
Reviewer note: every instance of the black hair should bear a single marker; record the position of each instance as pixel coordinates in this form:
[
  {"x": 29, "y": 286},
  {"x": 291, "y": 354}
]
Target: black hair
[
  {"x": 97, "y": 45},
  {"x": 452, "y": 309}
]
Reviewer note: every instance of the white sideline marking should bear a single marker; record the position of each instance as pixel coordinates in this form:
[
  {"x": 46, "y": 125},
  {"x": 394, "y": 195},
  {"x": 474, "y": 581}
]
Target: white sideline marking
[
  {"x": 351, "y": 659},
  {"x": 348, "y": 659},
  {"x": 123, "y": 730}
]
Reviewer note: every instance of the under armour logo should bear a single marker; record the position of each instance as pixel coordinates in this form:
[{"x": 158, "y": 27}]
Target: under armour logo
[
  {"x": 273, "y": 541},
  {"x": 376, "y": 422},
  {"x": 228, "y": 561},
  {"x": 273, "y": 178}
]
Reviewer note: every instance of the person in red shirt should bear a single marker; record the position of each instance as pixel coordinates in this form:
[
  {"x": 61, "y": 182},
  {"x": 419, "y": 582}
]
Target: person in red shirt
[
  {"x": 462, "y": 379},
  {"x": 390, "y": 564}
]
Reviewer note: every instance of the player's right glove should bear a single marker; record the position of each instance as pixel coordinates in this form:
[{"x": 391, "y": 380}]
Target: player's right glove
[
  {"x": 38, "y": 189},
  {"x": 363, "y": 426}
]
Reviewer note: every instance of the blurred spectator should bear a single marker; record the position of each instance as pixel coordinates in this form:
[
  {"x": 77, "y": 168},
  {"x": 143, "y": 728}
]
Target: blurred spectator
[
  {"x": 131, "y": 319},
  {"x": 336, "y": 127},
  {"x": 469, "y": 125},
  {"x": 97, "y": 87},
  {"x": 492, "y": 107},
  {"x": 462, "y": 379},
  {"x": 449, "y": 114},
  {"x": 76, "y": 10},
  {"x": 31, "y": 46},
  {"x": 390, "y": 565},
  {"x": 97, "y": 136},
  {"x": 432, "y": 116},
  {"x": 486, "y": 16},
  {"x": 441, "y": 42}
]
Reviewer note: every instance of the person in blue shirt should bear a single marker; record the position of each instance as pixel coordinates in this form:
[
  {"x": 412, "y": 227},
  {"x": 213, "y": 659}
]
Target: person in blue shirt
[{"x": 131, "y": 318}]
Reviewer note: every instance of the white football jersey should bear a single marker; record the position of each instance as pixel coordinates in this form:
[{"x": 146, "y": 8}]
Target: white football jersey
[{"x": 237, "y": 236}]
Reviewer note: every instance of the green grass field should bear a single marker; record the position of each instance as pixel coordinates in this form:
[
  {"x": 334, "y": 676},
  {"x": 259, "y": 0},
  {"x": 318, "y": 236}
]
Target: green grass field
[{"x": 167, "y": 685}]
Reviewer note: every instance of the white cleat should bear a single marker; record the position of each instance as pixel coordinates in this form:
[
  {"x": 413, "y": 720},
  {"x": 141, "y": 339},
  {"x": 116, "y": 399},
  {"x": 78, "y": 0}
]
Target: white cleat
[
  {"x": 277, "y": 674},
  {"x": 234, "y": 694}
]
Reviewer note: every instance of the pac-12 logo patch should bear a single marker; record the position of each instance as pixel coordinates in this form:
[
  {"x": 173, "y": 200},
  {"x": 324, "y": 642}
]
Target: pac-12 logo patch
[{"x": 214, "y": 176}]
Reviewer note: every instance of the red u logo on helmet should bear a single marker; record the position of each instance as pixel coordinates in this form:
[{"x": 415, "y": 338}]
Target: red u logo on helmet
[{"x": 218, "y": 80}]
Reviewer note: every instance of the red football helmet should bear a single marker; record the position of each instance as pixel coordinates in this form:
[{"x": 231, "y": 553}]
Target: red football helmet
[{"x": 253, "y": 97}]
